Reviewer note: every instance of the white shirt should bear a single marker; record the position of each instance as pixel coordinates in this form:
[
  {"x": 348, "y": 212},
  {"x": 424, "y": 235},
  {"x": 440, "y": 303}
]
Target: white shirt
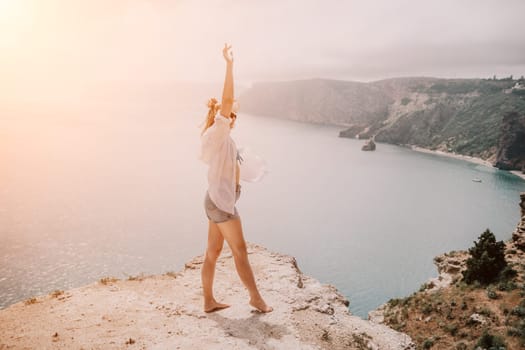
[{"x": 219, "y": 151}]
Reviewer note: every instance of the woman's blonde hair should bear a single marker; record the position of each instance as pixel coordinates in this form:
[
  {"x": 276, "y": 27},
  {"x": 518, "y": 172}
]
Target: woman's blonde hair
[{"x": 213, "y": 108}]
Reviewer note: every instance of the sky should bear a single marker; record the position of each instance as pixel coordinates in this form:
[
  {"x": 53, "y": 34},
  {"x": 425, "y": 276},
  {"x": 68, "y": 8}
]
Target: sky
[{"x": 75, "y": 41}]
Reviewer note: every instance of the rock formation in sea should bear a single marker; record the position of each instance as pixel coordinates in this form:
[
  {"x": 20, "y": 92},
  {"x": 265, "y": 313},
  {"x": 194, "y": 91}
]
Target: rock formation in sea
[
  {"x": 369, "y": 145},
  {"x": 166, "y": 312}
]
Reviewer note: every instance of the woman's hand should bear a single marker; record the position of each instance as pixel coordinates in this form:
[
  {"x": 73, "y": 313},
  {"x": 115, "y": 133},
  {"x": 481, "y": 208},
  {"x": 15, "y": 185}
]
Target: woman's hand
[{"x": 227, "y": 53}]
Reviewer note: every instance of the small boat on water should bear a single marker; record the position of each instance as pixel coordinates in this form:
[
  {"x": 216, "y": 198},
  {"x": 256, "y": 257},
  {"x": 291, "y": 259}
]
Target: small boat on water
[{"x": 476, "y": 180}]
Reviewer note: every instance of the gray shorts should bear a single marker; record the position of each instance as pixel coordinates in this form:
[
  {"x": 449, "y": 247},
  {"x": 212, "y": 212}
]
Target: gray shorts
[{"x": 215, "y": 214}]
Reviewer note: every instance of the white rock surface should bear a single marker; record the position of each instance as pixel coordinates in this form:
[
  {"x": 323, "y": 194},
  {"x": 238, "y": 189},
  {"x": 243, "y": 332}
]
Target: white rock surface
[{"x": 165, "y": 312}]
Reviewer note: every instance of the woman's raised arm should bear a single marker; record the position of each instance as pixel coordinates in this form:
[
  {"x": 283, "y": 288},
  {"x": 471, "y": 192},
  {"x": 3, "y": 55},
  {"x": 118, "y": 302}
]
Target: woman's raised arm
[{"x": 227, "y": 91}]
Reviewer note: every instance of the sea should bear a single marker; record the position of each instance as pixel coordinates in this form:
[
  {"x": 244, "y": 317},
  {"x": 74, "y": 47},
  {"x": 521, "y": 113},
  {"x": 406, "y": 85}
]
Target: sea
[{"x": 121, "y": 194}]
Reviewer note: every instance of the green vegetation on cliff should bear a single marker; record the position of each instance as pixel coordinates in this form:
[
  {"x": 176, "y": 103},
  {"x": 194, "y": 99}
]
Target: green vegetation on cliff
[
  {"x": 465, "y": 116},
  {"x": 486, "y": 261},
  {"x": 461, "y": 117},
  {"x": 488, "y": 312}
]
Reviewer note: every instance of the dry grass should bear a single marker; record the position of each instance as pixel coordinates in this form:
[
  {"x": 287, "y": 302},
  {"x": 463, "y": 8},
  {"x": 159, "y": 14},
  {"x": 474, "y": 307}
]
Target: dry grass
[
  {"x": 361, "y": 341},
  {"x": 139, "y": 277},
  {"x": 30, "y": 301},
  {"x": 441, "y": 319},
  {"x": 57, "y": 293},
  {"x": 108, "y": 280},
  {"x": 171, "y": 274}
]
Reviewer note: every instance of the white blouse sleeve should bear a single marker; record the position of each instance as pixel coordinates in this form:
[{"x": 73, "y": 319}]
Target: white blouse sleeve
[{"x": 214, "y": 137}]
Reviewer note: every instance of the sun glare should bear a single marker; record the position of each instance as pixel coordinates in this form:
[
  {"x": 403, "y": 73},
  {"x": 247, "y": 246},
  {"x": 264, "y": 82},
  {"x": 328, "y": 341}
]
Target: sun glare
[
  {"x": 7, "y": 8},
  {"x": 13, "y": 11},
  {"x": 15, "y": 17}
]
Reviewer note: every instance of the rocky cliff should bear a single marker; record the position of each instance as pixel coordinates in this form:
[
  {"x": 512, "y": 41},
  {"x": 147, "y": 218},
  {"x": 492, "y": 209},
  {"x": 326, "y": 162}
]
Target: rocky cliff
[
  {"x": 446, "y": 313},
  {"x": 511, "y": 146},
  {"x": 318, "y": 101},
  {"x": 165, "y": 312},
  {"x": 518, "y": 236},
  {"x": 464, "y": 116}
]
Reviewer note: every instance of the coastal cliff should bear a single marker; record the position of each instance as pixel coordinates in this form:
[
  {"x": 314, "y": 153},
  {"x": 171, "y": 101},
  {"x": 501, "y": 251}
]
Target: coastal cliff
[
  {"x": 165, "y": 312},
  {"x": 447, "y": 313},
  {"x": 511, "y": 147},
  {"x": 471, "y": 117}
]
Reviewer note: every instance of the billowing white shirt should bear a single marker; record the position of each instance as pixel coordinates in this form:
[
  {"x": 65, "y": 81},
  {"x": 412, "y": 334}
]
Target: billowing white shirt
[{"x": 219, "y": 151}]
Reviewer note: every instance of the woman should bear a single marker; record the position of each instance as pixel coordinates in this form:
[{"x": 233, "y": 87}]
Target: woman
[{"x": 220, "y": 153}]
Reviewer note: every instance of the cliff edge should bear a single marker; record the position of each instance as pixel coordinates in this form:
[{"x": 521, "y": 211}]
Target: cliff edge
[
  {"x": 165, "y": 312},
  {"x": 447, "y": 313},
  {"x": 511, "y": 148}
]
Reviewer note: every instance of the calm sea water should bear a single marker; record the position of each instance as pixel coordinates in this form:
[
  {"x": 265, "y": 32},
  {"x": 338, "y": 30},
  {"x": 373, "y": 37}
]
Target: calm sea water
[{"x": 81, "y": 199}]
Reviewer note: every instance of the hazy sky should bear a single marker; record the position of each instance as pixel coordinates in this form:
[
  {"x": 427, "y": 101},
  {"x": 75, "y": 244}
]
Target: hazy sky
[{"x": 84, "y": 40}]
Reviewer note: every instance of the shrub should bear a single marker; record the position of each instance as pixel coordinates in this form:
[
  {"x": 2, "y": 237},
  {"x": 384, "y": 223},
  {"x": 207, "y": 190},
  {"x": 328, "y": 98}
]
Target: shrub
[
  {"x": 451, "y": 328},
  {"x": 394, "y": 302},
  {"x": 427, "y": 308},
  {"x": 361, "y": 340},
  {"x": 486, "y": 312},
  {"x": 428, "y": 343},
  {"x": 513, "y": 332},
  {"x": 491, "y": 342},
  {"x": 518, "y": 311},
  {"x": 491, "y": 294},
  {"x": 507, "y": 286},
  {"x": 508, "y": 273},
  {"x": 461, "y": 346},
  {"x": 487, "y": 259}
]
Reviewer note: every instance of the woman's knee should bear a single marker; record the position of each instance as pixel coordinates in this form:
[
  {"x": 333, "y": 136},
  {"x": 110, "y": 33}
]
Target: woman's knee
[
  {"x": 239, "y": 249},
  {"x": 213, "y": 253}
]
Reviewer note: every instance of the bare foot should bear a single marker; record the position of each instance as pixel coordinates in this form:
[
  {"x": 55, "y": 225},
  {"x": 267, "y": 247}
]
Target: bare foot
[
  {"x": 214, "y": 306},
  {"x": 260, "y": 305}
]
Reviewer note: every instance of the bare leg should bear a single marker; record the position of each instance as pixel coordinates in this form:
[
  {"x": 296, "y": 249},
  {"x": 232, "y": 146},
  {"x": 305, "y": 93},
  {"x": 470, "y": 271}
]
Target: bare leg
[
  {"x": 232, "y": 231},
  {"x": 215, "y": 243}
]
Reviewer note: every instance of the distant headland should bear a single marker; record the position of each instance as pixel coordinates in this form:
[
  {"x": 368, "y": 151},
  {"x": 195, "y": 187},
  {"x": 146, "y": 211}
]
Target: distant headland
[{"x": 481, "y": 118}]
